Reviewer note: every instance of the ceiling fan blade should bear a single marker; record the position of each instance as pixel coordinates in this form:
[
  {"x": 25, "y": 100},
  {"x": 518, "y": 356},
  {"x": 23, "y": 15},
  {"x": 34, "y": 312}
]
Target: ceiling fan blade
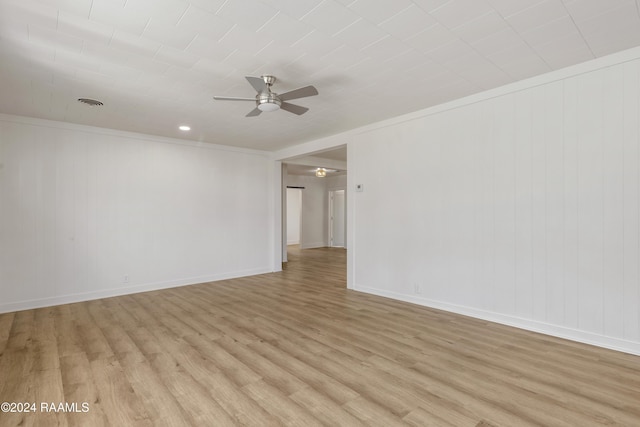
[
  {"x": 255, "y": 112},
  {"x": 232, "y": 98},
  {"x": 293, "y": 108},
  {"x": 302, "y": 92},
  {"x": 258, "y": 84}
]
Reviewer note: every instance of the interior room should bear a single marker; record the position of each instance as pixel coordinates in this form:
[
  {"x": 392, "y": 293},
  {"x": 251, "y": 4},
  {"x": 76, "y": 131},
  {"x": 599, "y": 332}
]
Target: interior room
[{"x": 320, "y": 212}]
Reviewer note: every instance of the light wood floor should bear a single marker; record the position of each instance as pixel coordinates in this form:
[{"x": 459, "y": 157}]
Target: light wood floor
[{"x": 297, "y": 348}]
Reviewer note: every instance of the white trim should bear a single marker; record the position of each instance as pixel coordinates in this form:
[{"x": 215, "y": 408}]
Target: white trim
[
  {"x": 313, "y": 161},
  {"x": 107, "y": 293},
  {"x": 330, "y": 218},
  {"x": 282, "y": 191},
  {"x": 125, "y": 134},
  {"x": 342, "y": 138},
  {"x": 350, "y": 237},
  {"x": 617, "y": 344},
  {"x": 317, "y": 145},
  {"x": 275, "y": 208},
  {"x": 520, "y": 85}
]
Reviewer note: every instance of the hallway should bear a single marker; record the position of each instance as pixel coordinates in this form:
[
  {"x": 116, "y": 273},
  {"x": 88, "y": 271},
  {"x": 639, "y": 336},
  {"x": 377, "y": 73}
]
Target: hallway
[{"x": 328, "y": 264}]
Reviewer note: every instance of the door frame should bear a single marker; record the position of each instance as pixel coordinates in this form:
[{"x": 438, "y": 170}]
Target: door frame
[{"x": 330, "y": 196}]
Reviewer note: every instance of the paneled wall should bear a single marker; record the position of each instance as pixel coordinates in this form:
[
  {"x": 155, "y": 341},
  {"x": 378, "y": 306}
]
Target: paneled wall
[
  {"x": 522, "y": 208},
  {"x": 86, "y": 213}
]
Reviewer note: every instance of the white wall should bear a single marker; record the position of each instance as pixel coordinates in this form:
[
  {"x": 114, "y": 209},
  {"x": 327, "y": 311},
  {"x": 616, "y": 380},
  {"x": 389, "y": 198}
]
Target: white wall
[
  {"x": 81, "y": 208},
  {"x": 522, "y": 208}
]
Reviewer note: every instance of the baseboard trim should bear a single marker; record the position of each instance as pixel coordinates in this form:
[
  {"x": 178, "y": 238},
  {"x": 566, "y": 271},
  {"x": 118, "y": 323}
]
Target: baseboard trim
[
  {"x": 313, "y": 245},
  {"x": 571, "y": 334},
  {"x": 114, "y": 292}
]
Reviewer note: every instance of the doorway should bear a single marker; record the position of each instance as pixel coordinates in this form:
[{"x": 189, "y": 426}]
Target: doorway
[
  {"x": 337, "y": 219},
  {"x": 308, "y": 234}
]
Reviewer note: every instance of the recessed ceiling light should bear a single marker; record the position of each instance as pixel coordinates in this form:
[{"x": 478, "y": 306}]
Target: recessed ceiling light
[{"x": 185, "y": 128}]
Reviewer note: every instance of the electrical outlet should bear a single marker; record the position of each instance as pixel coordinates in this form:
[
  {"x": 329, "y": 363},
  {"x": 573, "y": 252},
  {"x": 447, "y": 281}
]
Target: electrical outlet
[
  {"x": 416, "y": 288},
  {"x": 125, "y": 279}
]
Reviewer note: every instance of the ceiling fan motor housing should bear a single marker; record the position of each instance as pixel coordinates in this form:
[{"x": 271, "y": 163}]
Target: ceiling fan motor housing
[{"x": 269, "y": 80}]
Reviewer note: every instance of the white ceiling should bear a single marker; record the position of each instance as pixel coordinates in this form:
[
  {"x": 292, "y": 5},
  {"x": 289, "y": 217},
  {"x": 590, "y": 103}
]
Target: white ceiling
[{"x": 157, "y": 63}]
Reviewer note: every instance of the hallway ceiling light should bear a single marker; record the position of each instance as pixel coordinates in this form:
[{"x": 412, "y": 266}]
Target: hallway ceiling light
[{"x": 321, "y": 172}]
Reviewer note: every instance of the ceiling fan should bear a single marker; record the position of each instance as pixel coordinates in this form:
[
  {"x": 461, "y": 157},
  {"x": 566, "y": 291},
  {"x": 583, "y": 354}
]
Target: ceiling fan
[{"x": 266, "y": 100}]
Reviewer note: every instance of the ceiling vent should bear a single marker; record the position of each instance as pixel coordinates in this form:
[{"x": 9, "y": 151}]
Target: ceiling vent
[{"x": 91, "y": 102}]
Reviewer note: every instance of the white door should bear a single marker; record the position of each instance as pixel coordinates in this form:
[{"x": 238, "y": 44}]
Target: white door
[
  {"x": 294, "y": 214},
  {"x": 337, "y": 219}
]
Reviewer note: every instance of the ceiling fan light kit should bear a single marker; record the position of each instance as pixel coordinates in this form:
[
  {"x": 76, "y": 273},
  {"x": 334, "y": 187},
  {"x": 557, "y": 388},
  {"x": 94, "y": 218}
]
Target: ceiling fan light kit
[{"x": 267, "y": 100}]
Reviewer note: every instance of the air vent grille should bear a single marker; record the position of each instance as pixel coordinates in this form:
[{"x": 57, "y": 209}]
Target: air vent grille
[{"x": 91, "y": 102}]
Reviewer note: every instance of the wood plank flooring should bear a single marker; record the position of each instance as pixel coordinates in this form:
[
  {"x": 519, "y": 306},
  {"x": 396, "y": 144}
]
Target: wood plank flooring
[{"x": 297, "y": 348}]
